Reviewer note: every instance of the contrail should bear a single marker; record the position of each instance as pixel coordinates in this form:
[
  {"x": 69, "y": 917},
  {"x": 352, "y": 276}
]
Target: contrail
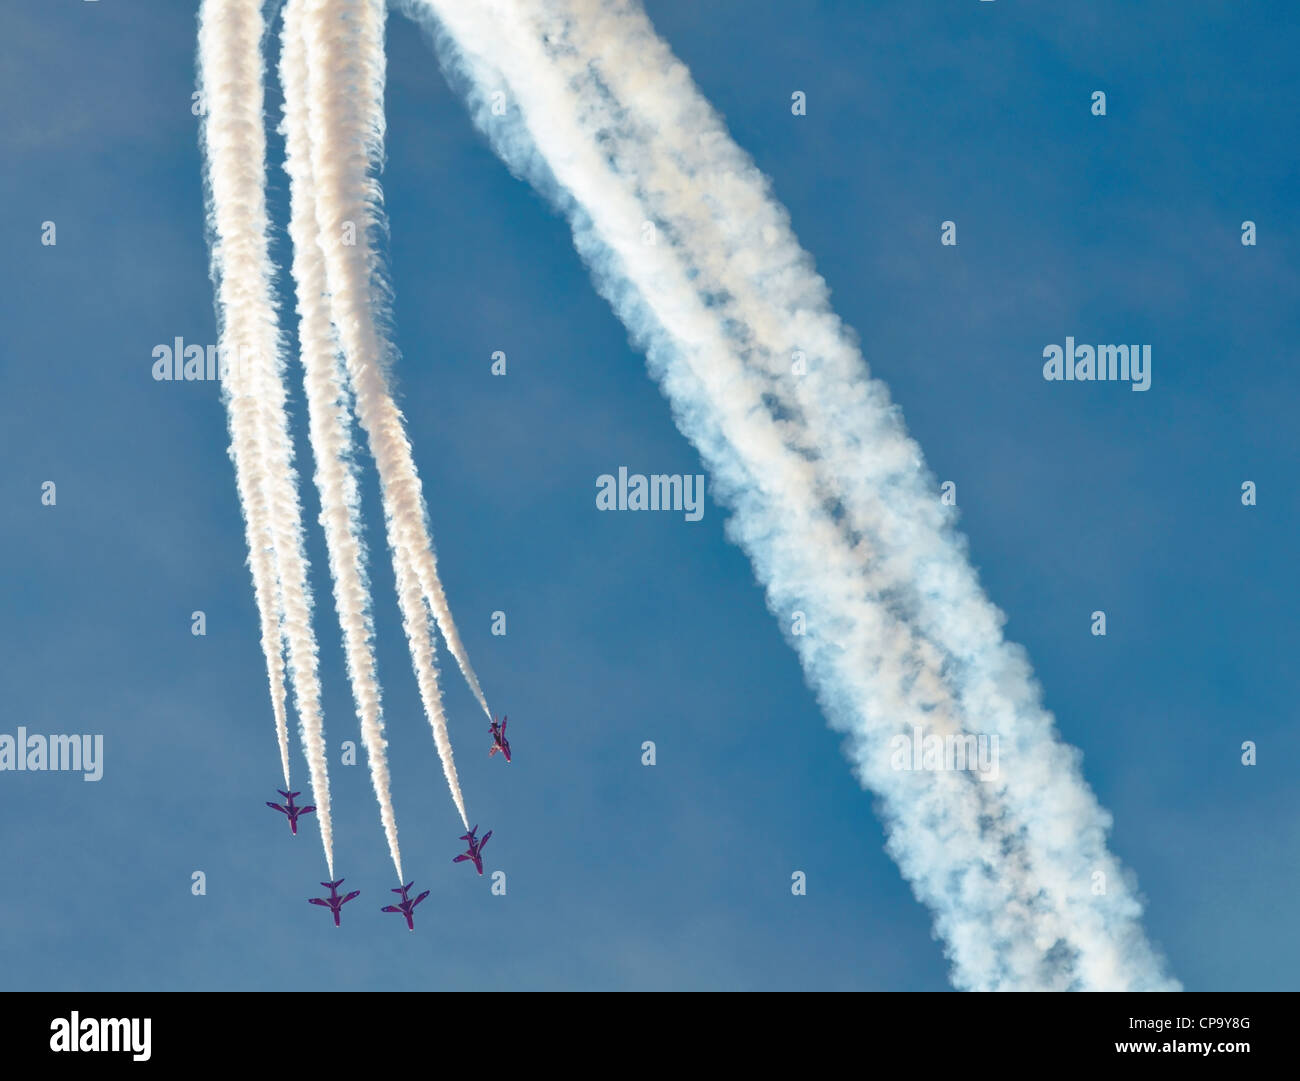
[
  {"x": 222, "y": 49},
  {"x": 737, "y": 242},
  {"x": 329, "y": 424},
  {"x": 234, "y": 143},
  {"x": 1010, "y": 867},
  {"x": 345, "y": 61}
]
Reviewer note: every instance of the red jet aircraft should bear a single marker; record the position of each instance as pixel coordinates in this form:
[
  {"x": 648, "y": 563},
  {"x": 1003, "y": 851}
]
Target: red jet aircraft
[
  {"x": 406, "y": 906},
  {"x": 334, "y": 902},
  {"x": 475, "y": 849},
  {"x": 499, "y": 741},
  {"x": 291, "y": 811}
]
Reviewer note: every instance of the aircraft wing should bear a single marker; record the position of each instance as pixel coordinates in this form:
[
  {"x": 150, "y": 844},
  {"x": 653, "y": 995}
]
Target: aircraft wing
[
  {"x": 317, "y": 901},
  {"x": 420, "y": 898},
  {"x": 354, "y": 893},
  {"x": 390, "y": 908},
  {"x": 277, "y": 807},
  {"x": 485, "y": 840},
  {"x": 460, "y": 859}
]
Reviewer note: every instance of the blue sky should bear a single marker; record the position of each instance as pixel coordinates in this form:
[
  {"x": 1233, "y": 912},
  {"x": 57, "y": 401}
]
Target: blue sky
[{"x": 628, "y": 627}]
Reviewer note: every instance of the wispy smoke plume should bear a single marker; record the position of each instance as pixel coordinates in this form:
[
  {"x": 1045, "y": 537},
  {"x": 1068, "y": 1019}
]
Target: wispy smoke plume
[
  {"x": 329, "y": 425},
  {"x": 345, "y": 62},
  {"x": 831, "y": 499},
  {"x": 234, "y": 144}
]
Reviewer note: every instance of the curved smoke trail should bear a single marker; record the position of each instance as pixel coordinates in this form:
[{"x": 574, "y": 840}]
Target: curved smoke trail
[
  {"x": 345, "y": 61},
  {"x": 329, "y": 424},
  {"x": 225, "y": 69},
  {"x": 1007, "y": 866},
  {"x": 234, "y": 143}
]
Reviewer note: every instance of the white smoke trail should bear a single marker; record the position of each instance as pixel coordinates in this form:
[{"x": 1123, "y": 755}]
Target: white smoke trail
[
  {"x": 1009, "y": 877},
  {"x": 222, "y": 49},
  {"x": 737, "y": 242},
  {"x": 234, "y": 143},
  {"x": 791, "y": 561},
  {"x": 345, "y": 60},
  {"x": 329, "y": 423}
]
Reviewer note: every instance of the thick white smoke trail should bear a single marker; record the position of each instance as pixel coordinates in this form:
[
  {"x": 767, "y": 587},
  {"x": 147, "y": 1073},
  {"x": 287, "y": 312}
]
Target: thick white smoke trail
[
  {"x": 329, "y": 422},
  {"x": 226, "y": 66},
  {"x": 737, "y": 243},
  {"x": 234, "y": 143},
  {"x": 736, "y": 240},
  {"x": 1007, "y": 865},
  {"x": 345, "y": 60}
]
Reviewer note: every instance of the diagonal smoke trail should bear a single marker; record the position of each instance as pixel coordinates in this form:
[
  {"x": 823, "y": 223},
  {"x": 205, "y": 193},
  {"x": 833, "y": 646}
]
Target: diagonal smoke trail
[
  {"x": 234, "y": 143},
  {"x": 1008, "y": 877},
  {"x": 793, "y": 562},
  {"x": 737, "y": 243},
  {"x": 329, "y": 424},
  {"x": 345, "y": 60}
]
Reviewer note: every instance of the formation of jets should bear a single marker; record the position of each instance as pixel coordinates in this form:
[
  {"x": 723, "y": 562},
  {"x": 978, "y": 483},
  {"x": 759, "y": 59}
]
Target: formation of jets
[{"x": 406, "y": 906}]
